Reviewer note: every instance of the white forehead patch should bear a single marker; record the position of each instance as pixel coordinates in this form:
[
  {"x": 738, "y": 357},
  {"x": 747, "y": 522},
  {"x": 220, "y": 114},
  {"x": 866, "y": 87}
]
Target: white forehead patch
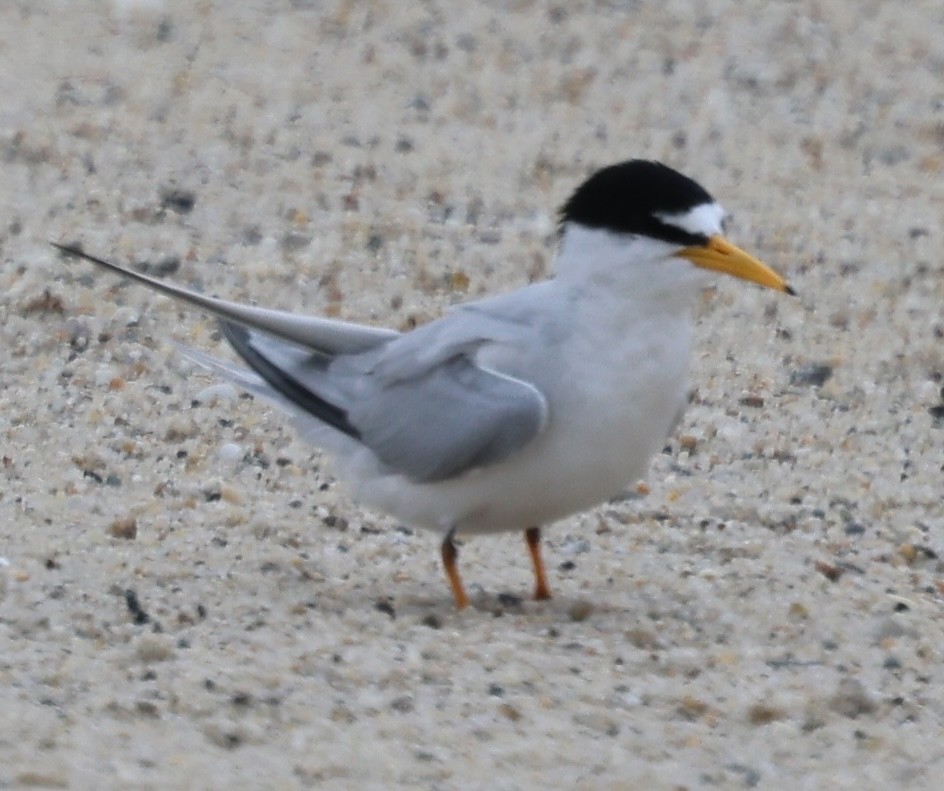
[{"x": 704, "y": 219}]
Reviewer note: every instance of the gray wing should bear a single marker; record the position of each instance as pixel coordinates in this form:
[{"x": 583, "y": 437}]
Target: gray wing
[
  {"x": 451, "y": 417},
  {"x": 327, "y": 335},
  {"x": 455, "y": 418}
]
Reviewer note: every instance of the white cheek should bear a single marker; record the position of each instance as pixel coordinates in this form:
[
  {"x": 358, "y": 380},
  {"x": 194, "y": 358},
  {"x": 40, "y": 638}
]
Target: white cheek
[{"x": 704, "y": 219}]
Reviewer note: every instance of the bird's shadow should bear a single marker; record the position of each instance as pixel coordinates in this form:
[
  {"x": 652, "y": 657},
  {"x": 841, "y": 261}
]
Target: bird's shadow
[{"x": 439, "y": 610}]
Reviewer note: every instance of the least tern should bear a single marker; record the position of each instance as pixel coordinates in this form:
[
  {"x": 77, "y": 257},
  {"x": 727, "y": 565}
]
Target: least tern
[{"x": 517, "y": 410}]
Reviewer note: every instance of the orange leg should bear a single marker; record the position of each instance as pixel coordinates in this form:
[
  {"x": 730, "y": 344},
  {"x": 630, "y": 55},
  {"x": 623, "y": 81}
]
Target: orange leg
[
  {"x": 450, "y": 556},
  {"x": 533, "y": 537}
]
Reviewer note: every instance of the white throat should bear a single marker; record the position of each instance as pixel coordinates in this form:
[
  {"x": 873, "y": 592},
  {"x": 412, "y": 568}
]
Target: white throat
[{"x": 635, "y": 266}]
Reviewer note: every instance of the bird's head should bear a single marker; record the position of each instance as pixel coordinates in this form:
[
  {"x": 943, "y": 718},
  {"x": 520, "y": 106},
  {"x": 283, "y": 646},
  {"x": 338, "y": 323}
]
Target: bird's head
[{"x": 646, "y": 216}]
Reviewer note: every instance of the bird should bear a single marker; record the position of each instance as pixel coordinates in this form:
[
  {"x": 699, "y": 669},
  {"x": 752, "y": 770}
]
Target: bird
[{"x": 513, "y": 411}]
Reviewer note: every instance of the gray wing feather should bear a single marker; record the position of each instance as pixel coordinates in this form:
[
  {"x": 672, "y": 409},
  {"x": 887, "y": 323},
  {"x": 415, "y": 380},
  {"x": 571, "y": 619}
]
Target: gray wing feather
[
  {"x": 452, "y": 417},
  {"x": 325, "y": 335},
  {"x": 455, "y": 418}
]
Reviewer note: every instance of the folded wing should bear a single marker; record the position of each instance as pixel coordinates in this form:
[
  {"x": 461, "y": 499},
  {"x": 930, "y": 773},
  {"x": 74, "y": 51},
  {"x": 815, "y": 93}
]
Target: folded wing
[{"x": 451, "y": 418}]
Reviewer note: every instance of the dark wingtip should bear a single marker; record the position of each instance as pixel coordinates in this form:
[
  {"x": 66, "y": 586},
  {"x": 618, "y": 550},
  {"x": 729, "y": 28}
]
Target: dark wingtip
[
  {"x": 68, "y": 249},
  {"x": 236, "y": 334},
  {"x": 282, "y": 381},
  {"x": 75, "y": 250}
]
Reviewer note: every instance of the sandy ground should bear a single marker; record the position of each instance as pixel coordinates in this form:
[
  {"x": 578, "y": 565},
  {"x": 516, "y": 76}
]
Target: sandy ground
[{"x": 187, "y": 597}]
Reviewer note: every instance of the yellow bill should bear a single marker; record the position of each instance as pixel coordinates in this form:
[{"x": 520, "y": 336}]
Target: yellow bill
[{"x": 719, "y": 255}]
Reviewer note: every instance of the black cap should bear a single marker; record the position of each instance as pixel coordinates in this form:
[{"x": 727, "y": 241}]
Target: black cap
[{"x": 626, "y": 198}]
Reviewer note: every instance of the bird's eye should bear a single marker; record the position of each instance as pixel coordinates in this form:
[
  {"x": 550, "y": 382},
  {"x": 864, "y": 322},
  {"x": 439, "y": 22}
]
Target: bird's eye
[{"x": 725, "y": 224}]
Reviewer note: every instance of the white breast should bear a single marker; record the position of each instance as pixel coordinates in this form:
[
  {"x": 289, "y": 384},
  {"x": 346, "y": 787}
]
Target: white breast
[{"x": 614, "y": 385}]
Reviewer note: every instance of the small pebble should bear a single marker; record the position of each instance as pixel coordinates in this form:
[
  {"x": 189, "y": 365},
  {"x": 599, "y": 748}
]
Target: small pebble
[
  {"x": 509, "y": 712},
  {"x": 403, "y": 704},
  {"x": 692, "y": 708},
  {"x": 228, "y": 738},
  {"x": 223, "y": 392},
  {"x": 814, "y": 375},
  {"x": 178, "y": 200},
  {"x": 151, "y": 647},
  {"x": 828, "y": 570},
  {"x": 230, "y": 453},
  {"x": 764, "y": 714},
  {"x": 798, "y": 610},
  {"x": 597, "y": 722},
  {"x": 580, "y": 610},
  {"x": 851, "y": 699},
  {"x": 753, "y": 401},
  {"x": 432, "y": 620},
  {"x": 126, "y": 528},
  {"x": 139, "y": 616},
  {"x": 231, "y": 495}
]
